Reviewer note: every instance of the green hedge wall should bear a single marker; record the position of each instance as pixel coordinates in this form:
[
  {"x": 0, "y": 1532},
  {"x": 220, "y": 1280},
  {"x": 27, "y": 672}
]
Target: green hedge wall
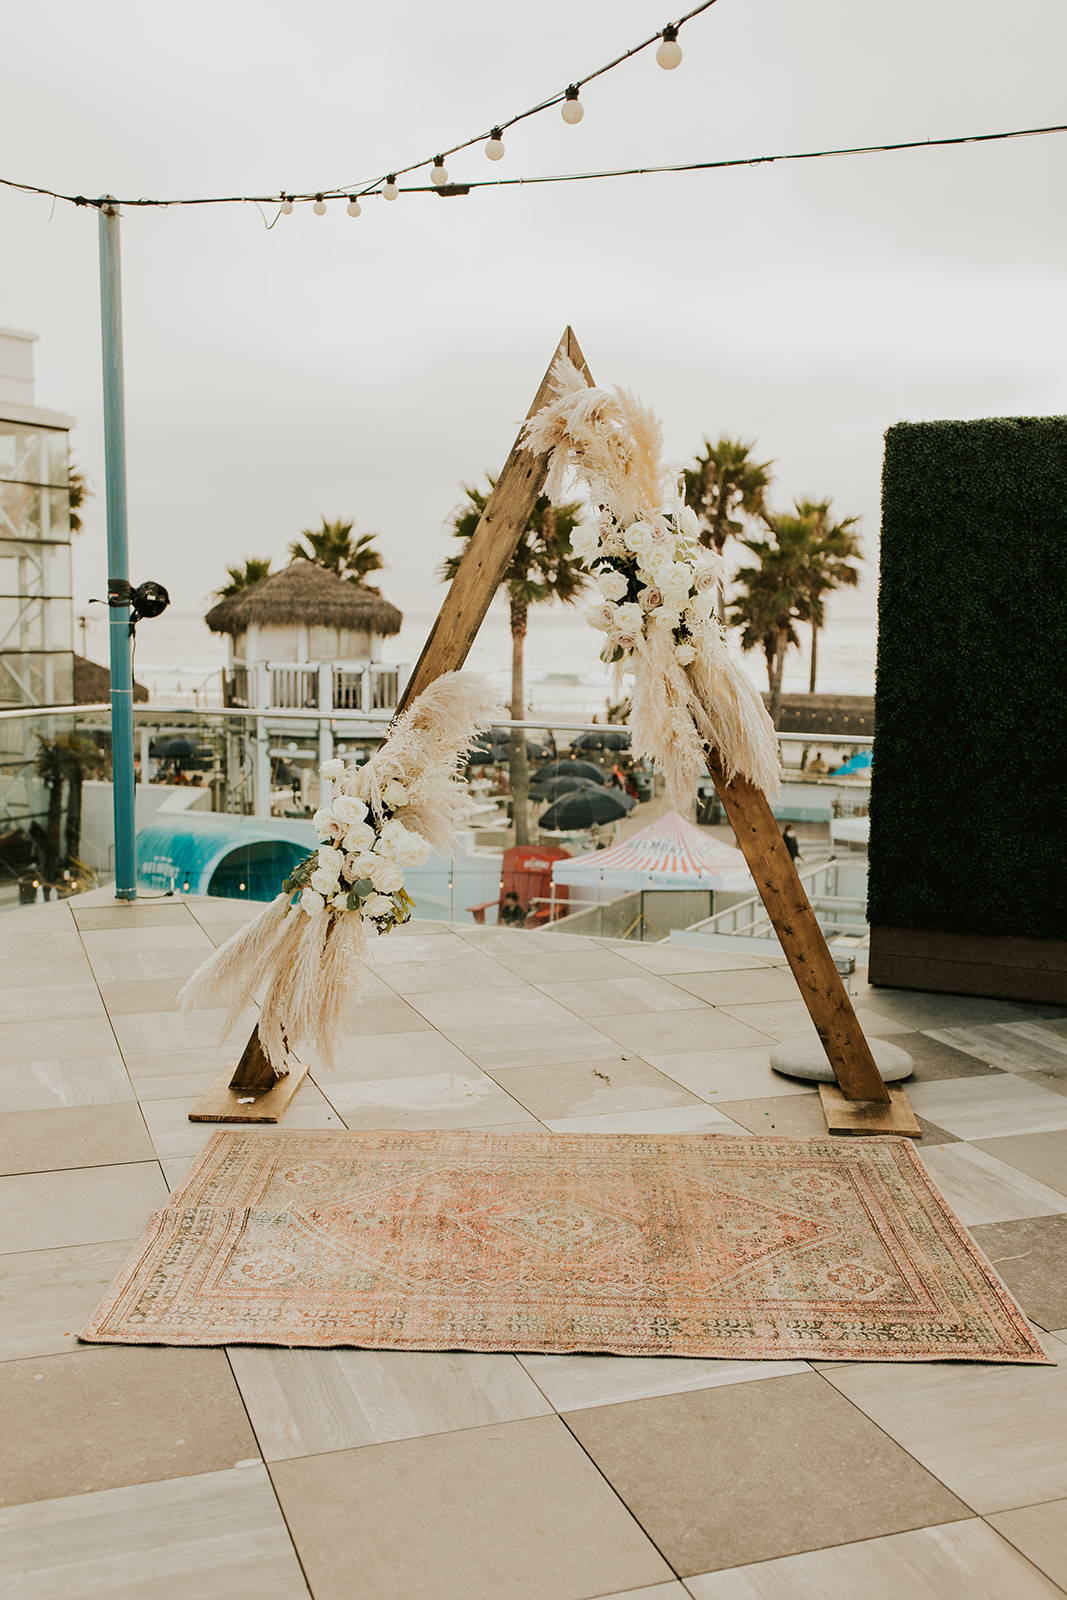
[{"x": 968, "y": 830}]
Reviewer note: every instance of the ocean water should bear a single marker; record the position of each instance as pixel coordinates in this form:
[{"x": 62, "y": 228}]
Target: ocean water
[{"x": 180, "y": 661}]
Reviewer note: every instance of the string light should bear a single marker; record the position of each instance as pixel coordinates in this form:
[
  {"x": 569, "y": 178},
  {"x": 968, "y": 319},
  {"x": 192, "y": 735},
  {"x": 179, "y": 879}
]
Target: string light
[
  {"x": 439, "y": 172},
  {"x": 494, "y": 145},
  {"x": 319, "y": 207},
  {"x": 669, "y": 51},
  {"x": 287, "y": 205},
  {"x": 353, "y": 207},
  {"x": 389, "y": 188},
  {"x": 572, "y": 110}
]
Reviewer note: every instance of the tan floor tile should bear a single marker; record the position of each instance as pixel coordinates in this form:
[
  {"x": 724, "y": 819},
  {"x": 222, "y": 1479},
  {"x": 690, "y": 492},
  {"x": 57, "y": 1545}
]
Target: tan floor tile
[
  {"x": 45, "y": 1002},
  {"x": 89, "y": 1205},
  {"x": 219, "y": 1536},
  {"x": 302, "y": 1402},
  {"x": 183, "y": 935},
  {"x": 1031, "y": 1257},
  {"x": 1020, "y": 1046},
  {"x": 130, "y": 996},
  {"x": 987, "y": 1108},
  {"x": 664, "y": 1119},
  {"x": 174, "y": 1135},
  {"x": 541, "y": 941},
  {"x": 132, "y": 914},
  {"x": 788, "y": 1019},
  {"x": 591, "y": 1088},
  {"x": 167, "y": 1075},
  {"x": 176, "y": 1170},
  {"x": 750, "y": 987},
  {"x": 439, "y": 1100},
  {"x": 931, "y": 1060},
  {"x": 715, "y": 1075},
  {"x": 403, "y": 945},
  {"x": 63, "y": 944},
  {"x": 993, "y": 1434},
  {"x": 469, "y": 971},
  {"x": 210, "y": 909},
  {"x": 512, "y": 1511},
  {"x": 569, "y": 966},
  {"x": 47, "y": 1295},
  {"x": 980, "y": 1189},
  {"x": 59, "y": 1038},
  {"x": 16, "y": 974},
  {"x": 800, "y": 1116},
  {"x": 1040, "y": 1155},
  {"x": 933, "y": 1010},
  {"x": 518, "y": 1008},
  {"x": 617, "y": 997},
  {"x": 384, "y": 1014},
  {"x": 37, "y": 1085},
  {"x": 574, "y": 1382},
  {"x": 130, "y": 966},
  {"x": 529, "y": 1045},
  {"x": 395, "y": 1055},
  {"x": 676, "y": 1032},
  {"x": 1040, "y": 1532},
  {"x": 126, "y": 1414},
  {"x": 959, "y": 1559},
  {"x": 707, "y": 1512},
  {"x": 74, "y": 1136},
  {"x": 671, "y": 958},
  {"x": 163, "y": 1032},
  {"x": 658, "y": 1591}
]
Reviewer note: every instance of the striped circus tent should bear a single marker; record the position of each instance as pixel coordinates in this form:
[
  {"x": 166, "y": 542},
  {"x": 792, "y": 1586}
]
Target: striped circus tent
[{"x": 669, "y": 854}]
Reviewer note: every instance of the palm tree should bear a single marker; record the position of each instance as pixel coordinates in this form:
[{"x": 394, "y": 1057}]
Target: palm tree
[
  {"x": 79, "y": 491},
  {"x": 543, "y": 568},
  {"x": 332, "y": 546},
  {"x": 253, "y": 571},
  {"x": 773, "y": 595},
  {"x": 834, "y": 547},
  {"x": 724, "y": 485}
]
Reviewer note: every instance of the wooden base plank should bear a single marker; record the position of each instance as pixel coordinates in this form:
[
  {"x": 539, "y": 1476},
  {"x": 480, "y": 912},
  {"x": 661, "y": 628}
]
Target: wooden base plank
[
  {"x": 869, "y": 1116},
  {"x": 224, "y": 1103}
]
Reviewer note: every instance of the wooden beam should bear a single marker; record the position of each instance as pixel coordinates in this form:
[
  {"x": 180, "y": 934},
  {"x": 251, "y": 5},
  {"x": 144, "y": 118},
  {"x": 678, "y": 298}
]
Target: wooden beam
[
  {"x": 792, "y": 918},
  {"x": 490, "y": 549}
]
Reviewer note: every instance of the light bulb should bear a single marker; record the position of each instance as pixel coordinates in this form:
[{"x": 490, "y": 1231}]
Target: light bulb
[
  {"x": 319, "y": 207},
  {"x": 389, "y": 188},
  {"x": 353, "y": 207},
  {"x": 439, "y": 172},
  {"x": 287, "y": 205},
  {"x": 669, "y": 52},
  {"x": 572, "y": 110},
  {"x": 494, "y": 145}
]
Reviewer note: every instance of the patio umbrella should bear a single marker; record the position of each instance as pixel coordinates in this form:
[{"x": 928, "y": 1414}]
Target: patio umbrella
[
  {"x": 177, "y": 748},
  {"x": 573, "y": 769},
  {"x": 583, "y": 808},
  {"x": 603, "y": 739},
  {"x": 555, "y": 788}
]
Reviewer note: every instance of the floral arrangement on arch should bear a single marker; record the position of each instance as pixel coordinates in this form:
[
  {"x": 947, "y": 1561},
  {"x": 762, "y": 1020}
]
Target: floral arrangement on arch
[
  {"x": 304, "y": 954},
  {"x": 658, "y": 588}
]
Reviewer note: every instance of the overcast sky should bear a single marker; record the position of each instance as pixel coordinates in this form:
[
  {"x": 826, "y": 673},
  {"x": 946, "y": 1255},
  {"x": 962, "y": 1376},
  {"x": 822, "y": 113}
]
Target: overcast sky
[{"x": 365, "y": 368}]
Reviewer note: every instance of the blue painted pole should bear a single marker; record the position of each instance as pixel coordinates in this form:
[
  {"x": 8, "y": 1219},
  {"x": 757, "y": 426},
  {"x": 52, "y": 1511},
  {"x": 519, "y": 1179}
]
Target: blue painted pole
[{"x": 118, "y": 586}]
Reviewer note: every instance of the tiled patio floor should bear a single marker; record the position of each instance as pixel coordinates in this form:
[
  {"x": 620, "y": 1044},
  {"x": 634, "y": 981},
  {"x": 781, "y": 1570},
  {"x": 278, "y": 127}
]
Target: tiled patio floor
[{"x": 162, "y": 1474}]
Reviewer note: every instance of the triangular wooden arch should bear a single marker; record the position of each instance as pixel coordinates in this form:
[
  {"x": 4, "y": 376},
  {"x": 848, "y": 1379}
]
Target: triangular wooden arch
[{"x": 861, "y": 1102}]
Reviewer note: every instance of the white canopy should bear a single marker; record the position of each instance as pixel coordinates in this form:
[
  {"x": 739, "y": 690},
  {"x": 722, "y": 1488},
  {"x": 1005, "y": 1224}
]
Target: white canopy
[{"x": 669, "y": 854}]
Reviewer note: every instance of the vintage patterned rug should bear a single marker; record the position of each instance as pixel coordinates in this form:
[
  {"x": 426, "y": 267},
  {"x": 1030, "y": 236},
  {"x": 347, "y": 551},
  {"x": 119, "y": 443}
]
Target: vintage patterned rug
[{"x": 632, "y": 1244}]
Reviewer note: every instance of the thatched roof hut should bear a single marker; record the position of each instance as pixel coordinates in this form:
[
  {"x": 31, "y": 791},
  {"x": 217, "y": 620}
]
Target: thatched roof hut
[
  {"x": 92, "y": 683},
  {"x": 305, "y": 595}
]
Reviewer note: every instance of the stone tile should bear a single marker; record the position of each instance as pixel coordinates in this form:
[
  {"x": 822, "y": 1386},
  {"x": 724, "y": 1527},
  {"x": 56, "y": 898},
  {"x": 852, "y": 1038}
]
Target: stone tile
[
  {"x": 568, "y": 966},
  {"x": 511, "y": 1511},
  {"x": 210, "y": 909},
  {"x": 530, "y": 1045},
  {"x": 184, "y": 935},
  {"x": 37, "y": 1085},
  {"x": 518, "y": 1008},
  {"x": 134, "y": 914},
  {"x": 752, "y": 986},
  {"x": 981, "y": 1189},
  {"x": 130, "y": 966},
  {"x": 932, "y": 1060},
  {"x": 216, "y": 1536},
  {"x": 800, "y": 1116},
  {"x": 302, "y": 1402},
  {"x": 469, "y": 971},
  {"x": 131, "y": 996},
  {"x": 591, "y": 1088},
  {"x": 744, "y": 1074},
  {"x": 993, "y": 1434},
  {"x": 75, "y": 1136},
  {"x": 45, "y": 1210},
  {"x": 1040, "y": 1532},
  {"x": 705, "y": 1514},
  {"x": 574, "y": 1382},
  {"x": 788, "y": 1019},
  {"x": 676, "y": 1032},
  {"x": 984, "y": 1108},
  {"x": 58, "y": 1038},
  {"x": 658, "y": 1591},
  {"x": 166, "y": 1075},
  {"x": 47, "y": 1295},
  {"x": 1031, "y": 1257},
  {"x": 964, "y": 1559},
  {"x": 925, "y": 1010},
  {"x": 1016, "y": 1046},
  {"x": 46, "y": 1002},
  {"x": 385, "y": 1014},
  {"x": 395, "y": 1055},
  {"x": 1040, "y": 1155},
  {"x": 176, "y": 1170},
  {"x": 665, "y": 1119},
  {"x": 62, "y": 944},
  {"x": 672, "y": 958},
  {"x": 162, "y": 1032},
  {"x": 534, "y": 940},
  {"x": 124, "y": 1415},
  {"x": 416, "y": 946},
  {"x": 174, "y": 1135},
  {"x": 617, "y": 997},
  {"x": 40, "y": 975},
  {"x": 439, "y": 1100}
]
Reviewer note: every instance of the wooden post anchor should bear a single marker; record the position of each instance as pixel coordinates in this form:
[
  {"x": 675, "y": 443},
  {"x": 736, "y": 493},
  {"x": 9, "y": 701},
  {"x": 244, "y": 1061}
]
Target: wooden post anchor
[{"x": 254, "y": 1093}]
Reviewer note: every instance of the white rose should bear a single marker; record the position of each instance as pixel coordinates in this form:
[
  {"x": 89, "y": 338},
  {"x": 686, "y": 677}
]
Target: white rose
[
  {"x": 685, "y": 653},
  {"x": 359, "y": 866},
  {"x": 706, "y": 574},
  {"x": 385, "y": 875},
  {"x": 626, "y": 642},
  {"x": 340, "y": 901},
  {"x": 322, "y": 819},
  {"x": 638, "y": 538},
  {"x": 330, "y": 859},
  {"x": 585, "y": 540},
  {"x": 323, "y": 882},
  {"x": 312, "y": 902},
  {"x": 702, "y": 605},
  {"x": 601, "y": 616},
  {"x": 629, "y": 618},
  {"x": 403, "y": 845},
  {"x": 348, "y": 809},
  {"x": 360, "y": 836},
  {"x": 689, "y": 522},
  {"x": 656, "y": 562},
  {"x": 649, "y": 598},
  {"x": 395, "y": 793},
  {"x": 612, "y": 584},
  {"x": 377, "y": 906},
  {"x": 331, "y": 769},
  {"x": 327, "y": 826},
  {"x": 666, "y": 616}
]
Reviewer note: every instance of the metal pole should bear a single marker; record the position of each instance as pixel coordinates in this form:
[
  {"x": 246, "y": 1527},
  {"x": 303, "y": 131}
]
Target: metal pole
[{"x": 118, "y": 587}]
